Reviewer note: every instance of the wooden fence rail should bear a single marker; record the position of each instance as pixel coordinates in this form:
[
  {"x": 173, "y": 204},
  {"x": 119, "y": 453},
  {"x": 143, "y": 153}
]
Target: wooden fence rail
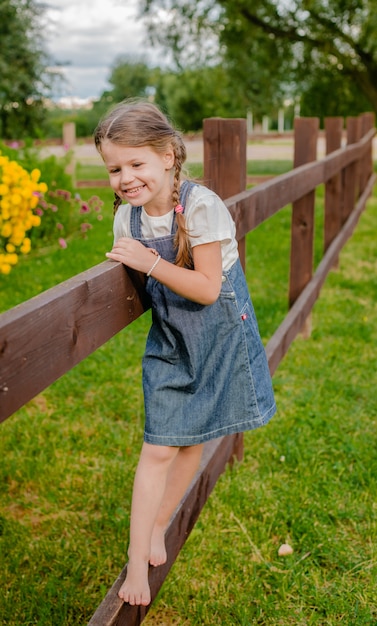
[{"x": 45, "y": 337}]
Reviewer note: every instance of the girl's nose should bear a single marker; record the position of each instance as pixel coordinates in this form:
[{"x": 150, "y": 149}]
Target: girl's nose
[{"x": 126, "y": 176}]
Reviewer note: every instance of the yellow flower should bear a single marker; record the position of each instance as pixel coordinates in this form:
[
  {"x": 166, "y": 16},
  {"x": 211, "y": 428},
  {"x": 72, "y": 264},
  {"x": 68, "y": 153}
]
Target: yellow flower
[
  {"x": 4, "y": 204},
  {"x": 12, "y": 259},
  {"x": 27, "y": 192},
  {"x": 35, "y": 175},
  {"x": 35, "y": 220},
  {"x": 33, "y": 202},
  {"x": 42, "y": 187},
  {"x": 19, "y": 195},
  {"x": 6, "y": 230},
  {"x": 5, "y": 268},
  {"x": 26, "y": 246}
]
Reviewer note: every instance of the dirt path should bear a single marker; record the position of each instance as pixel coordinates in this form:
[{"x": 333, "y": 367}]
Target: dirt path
[
  {"x": 86, "y": 153},
  {"x": 264, "y": 149}
]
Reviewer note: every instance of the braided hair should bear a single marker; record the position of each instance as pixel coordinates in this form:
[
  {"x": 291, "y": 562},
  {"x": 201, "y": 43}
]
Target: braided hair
[{"x": 141, "y": 123}]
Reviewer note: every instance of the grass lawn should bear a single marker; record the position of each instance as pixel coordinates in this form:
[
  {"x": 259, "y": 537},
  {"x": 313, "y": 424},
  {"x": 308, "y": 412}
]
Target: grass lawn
[{"x": 307, "y": 479}]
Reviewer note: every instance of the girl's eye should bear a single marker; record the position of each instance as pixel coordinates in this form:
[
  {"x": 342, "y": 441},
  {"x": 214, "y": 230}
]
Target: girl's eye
[
  {"x": 136, "y": 165},
  {"x": 114, "y": 170}
]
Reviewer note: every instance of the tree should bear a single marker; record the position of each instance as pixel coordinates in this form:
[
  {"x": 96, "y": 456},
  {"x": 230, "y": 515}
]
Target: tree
[
  {"x": 328, "y": 94},
  {"x": 190, "y": 95},
  {"x": 279, "y": 45},
  {"x": 23, "y": 73},
  {"x": 131, "y": 78}
]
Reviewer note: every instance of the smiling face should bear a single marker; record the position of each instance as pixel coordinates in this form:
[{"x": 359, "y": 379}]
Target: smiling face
[{"x": 140, "y": 175}]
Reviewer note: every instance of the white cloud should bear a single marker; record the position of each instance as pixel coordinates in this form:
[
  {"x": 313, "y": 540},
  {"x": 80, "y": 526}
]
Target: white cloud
[{"x": 88, "y": 36}]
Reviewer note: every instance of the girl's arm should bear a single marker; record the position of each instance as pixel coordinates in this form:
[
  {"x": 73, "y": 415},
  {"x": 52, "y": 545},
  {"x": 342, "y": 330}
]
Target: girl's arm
[{"x": 200, "y": 285}]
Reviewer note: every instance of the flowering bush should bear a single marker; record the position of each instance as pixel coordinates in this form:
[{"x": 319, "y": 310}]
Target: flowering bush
[
  {"x": 19, "y": 196},
  {"x": 34, "y": 213},
  {"x": 62, "y": 214}
]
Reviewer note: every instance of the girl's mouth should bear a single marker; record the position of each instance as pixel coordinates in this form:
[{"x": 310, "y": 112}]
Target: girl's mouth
[{"x": 133, "y": 191}]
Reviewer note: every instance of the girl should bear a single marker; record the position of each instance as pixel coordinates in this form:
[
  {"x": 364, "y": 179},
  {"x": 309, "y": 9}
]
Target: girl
[{"x": 205, "y": 372}]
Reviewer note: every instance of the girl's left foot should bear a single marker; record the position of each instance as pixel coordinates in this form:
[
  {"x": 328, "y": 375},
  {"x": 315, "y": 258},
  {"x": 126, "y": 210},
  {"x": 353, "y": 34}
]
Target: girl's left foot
[
  {"x": 135, "y": 589},
  {"x": 158, "y": 554}
]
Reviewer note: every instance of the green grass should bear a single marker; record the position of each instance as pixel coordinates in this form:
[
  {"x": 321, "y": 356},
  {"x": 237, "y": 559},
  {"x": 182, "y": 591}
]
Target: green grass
[
  {"x": 91, "y": 172},
  {"x": 270, "y": 167},
  {"x": 308, "y": 478},
  {"x": 195, "y": 170}
]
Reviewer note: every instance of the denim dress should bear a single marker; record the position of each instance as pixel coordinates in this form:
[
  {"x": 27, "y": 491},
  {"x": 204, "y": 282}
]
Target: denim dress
[{"x": 205, "y": 372}]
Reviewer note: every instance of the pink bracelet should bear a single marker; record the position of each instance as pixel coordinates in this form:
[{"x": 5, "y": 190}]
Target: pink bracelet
[{"x": 154, "y": 265}]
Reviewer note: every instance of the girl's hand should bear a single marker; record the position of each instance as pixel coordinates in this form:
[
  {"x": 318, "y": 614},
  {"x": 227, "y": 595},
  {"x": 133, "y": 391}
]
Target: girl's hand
[
  {"x": 133, "y": 254},
  {"x": 202, "y": 285}
]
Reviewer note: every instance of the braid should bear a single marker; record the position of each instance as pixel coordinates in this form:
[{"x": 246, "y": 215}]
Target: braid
[
  {"x": 181, "y": 240},
  {"x": 117, "y": 203},
  {"x": 177, "y": 172}
]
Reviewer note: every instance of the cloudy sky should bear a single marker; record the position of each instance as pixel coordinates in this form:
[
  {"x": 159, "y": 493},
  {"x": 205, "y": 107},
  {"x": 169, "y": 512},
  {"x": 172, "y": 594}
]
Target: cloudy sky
[{"x": 88, "y": 35}]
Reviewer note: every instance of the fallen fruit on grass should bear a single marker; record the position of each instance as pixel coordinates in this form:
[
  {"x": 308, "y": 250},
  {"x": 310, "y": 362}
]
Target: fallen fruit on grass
[{"x": 285, "y": 550}]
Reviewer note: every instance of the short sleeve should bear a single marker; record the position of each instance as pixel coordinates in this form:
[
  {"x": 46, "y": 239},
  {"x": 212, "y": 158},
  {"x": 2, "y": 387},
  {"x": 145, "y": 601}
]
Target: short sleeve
[
  {"x": 207, "y": 218},
  {"x": 121, "y": 224}
]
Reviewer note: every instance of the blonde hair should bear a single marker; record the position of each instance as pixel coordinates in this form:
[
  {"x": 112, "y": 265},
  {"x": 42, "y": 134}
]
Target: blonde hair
[{"x": 141, "y": 123}]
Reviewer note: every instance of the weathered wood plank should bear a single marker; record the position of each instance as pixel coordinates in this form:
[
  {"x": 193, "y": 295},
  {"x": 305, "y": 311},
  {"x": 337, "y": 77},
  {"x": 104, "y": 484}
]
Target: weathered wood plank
[
  {"x": 225, "y": 160},
  {"x": 217, "y": 453},
  {"x": 43, "y": 338},
  {"x": 224, "y": 155},
  {"x": 302, "y": 222},
  {"x": 351, "y": 174},
  {"x": 333, "y": 188},
  {"x": 366, "y": 165}
]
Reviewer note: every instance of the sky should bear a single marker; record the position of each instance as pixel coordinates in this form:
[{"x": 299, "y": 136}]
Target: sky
[{"x": 88, "y": 35}]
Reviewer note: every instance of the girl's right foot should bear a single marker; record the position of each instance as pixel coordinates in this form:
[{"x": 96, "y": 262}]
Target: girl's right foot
[
  {"x": 158, "y": 554},
  {"x": 135, "y": 589}
]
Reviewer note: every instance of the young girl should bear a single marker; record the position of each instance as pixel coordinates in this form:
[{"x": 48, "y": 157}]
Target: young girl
[{"x": 205, "y": 372}]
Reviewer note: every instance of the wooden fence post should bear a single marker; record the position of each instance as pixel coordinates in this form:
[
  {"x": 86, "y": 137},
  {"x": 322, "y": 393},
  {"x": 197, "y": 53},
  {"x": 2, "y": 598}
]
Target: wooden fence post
[
  {"x": 302, "y": 227},
  {"x": 225, "y": 164},
  {"x": 69, "y": 142},
  {"x": 367, "y": 122},
  {"x": 333, "y": 187},
  {"x": 351, "y": 174}
]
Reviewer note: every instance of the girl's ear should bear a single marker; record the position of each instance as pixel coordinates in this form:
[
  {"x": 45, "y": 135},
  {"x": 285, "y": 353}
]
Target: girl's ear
[{"x": 169, "y": 158}]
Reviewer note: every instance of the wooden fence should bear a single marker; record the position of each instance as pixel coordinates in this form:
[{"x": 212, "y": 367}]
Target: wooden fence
[{"x": 46, "y": 336}]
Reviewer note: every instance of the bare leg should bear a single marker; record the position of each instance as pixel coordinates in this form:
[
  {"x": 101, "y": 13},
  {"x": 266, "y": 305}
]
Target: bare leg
[
  {"x": 149, "y": 487},
  {"x": 181, "y": 473}
]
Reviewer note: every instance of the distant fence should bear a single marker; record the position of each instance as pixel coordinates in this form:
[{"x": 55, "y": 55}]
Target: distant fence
[{"x": 43, "y": 338}]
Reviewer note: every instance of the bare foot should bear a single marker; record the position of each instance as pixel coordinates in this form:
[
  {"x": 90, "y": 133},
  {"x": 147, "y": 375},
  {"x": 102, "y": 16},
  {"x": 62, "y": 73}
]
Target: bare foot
[
  {"x": 158, "y": 554},
  {"x": 135, "y": 589}
]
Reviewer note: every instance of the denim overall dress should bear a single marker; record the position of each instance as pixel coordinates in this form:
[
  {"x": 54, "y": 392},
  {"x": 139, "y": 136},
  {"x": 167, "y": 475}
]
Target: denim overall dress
[{"x": 205, "y": 372}]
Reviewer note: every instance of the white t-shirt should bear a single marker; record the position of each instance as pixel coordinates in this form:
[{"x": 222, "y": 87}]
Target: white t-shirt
[{"x": 207, "y": 220}]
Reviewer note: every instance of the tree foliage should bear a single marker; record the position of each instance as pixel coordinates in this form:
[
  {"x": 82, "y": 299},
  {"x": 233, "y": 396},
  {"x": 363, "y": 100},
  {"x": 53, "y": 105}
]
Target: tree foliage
[
  {"x": 184, "y": 95},
  {"x": 130, "y": 78},
  {"x": 23, "y": 77},
  {"x": 274, "y": 48}
]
